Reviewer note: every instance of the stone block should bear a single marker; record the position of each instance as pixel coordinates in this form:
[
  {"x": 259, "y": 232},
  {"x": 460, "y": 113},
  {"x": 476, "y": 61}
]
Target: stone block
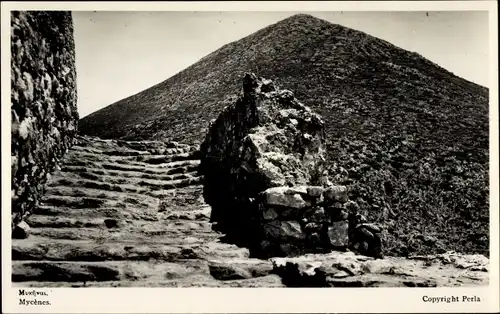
[
  {"x": 284, "y": 197},
  {"x": 21, "y": 231},
  {"x": 335, "y": 194},
  {"x": 284, "y": 230},
  {"x": 338, "y": 233}
]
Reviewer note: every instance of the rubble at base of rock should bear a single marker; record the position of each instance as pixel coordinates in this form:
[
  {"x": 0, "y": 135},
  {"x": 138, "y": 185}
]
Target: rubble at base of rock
[
  {"x": 306, "y": 219},
  {"x": 345, "y": 269},
  {"x": 262, "y": 162},
  {"x": 21, "y": 231}
]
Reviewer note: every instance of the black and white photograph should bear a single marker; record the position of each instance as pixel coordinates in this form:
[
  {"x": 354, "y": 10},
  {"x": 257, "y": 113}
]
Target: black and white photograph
[{"x": 249, "y": 149}]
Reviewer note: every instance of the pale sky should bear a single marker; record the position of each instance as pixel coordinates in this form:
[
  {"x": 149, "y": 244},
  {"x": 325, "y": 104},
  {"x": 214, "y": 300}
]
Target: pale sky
[{"x": 119, "y": 54}]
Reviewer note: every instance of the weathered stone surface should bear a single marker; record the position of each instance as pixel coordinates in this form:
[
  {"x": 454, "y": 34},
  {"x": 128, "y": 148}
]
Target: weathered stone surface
[
  {"x": 313, "y": 226},
  {"x": 222, "y": 271},
  {"x": 283, "y": 230},
  {"x": 43, "y": 94},
  {"x": 338, "y": 233},
  {"x": 317, "y": 214},
  {"x": 266, "y": 141},
  {"x": 62, "y": 271},
  {"x": 315, "y": 191},
  {"x": 239, "y": 269},
  {"x": 21, "y": 230},
  {"x": 366, "y": 238},
  {"x": 284, "y": 197},
  {"x": 345, "y": 269},
  {"x": 335, "y": 193},
  {"x": 262, "y": 161},
  {"x": 269, "y": 214}
]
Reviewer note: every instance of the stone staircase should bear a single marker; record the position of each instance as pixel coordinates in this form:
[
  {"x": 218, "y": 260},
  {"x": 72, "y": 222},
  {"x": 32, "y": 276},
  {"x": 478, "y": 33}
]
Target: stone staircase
[
  {"x": 124, "y": 213},
  {"x": 121, "y": 213}
]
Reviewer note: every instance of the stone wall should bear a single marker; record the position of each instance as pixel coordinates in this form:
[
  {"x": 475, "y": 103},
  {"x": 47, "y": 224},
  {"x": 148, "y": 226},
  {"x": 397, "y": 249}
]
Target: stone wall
[
  {"x": 43, "y": 101},
  {"x": 262, "y": 162},
  {"x": 256, "y": 143}
]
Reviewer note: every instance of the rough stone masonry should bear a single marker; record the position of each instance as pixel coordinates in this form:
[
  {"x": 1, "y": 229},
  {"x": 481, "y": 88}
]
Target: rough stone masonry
[
  {"x": 263, "y": 166},
  {"x": 43, "y": 103}
]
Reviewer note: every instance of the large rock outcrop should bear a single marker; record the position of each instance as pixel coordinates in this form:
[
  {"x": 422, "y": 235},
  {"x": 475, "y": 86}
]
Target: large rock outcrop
[
  {"x": 43, "y": 101},
  {"x": 263, "y": 160}
]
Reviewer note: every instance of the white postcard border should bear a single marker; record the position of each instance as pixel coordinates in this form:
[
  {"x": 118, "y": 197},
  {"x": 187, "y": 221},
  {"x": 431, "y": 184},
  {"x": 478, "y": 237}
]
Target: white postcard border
[{"x": 272, "y": 300}]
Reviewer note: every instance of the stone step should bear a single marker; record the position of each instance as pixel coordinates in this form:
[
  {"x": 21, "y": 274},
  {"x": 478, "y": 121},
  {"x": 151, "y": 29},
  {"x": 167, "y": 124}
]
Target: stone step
[
  {"x": 85, "y": 272},
  {"x": 172, "y": 184},
  {"x": 139, "y": 149},
  {"x": 270, "y": 281},
  {"x": 133, "y": 274},
  {"x": 39, "y": 221},
  {"x": 86, "y": 250},
  {"x": 77, "y": 182},
  {"x": 122, "y": 180},
  {"x": 95, "y": 173},
  {"x": 128, "y": 235},
  {"x": 134, "y": 145},
  {"x": 126, "y": 197},
  {"x": 165, "y": 159},
  {"x": 123, "y": 184},
  {"x": 188, "y": 195},
  {"x": 94, "y": 139},
  {"x": 121, "y": 213},
  {"x": 129, "y": 212},
  {"x": 44, "y": 248},
  {"x": 141, "y": 223},
  {"x": 165, "y": 156},
  {"x": 109, "y": 152},
  {"x": 174, "y": 167},
  {"x": 171, "y": 212},
  {"x": 94, "y": 202},
  {"x": 162, "y": 169},
  {"x": 153, "y": 145},
  {"x": 81, "y": 201}
]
